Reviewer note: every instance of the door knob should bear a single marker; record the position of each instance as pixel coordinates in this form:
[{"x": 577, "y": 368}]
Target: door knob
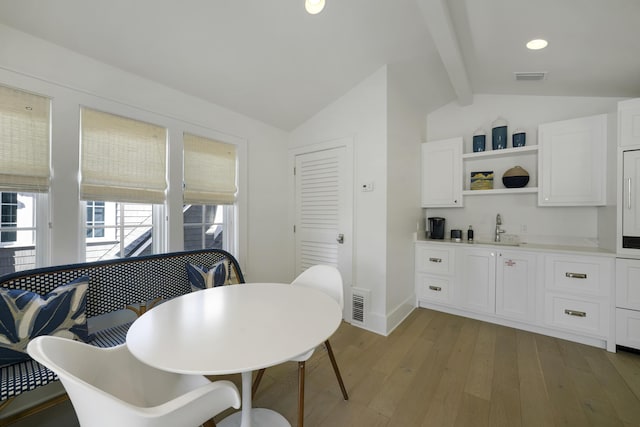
[{"x": 340, "y": 238}]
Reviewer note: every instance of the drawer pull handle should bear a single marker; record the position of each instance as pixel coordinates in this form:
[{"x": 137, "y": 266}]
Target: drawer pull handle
[
  {"x": 435, "y": 288},
  {"x": 575, "y": 313},
  {"x": 576, "y": 275},
  {"x": 435, "y": 259}
]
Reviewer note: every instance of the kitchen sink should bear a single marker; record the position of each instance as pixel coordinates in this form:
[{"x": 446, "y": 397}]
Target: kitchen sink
[{"x": 503, "y": 242}]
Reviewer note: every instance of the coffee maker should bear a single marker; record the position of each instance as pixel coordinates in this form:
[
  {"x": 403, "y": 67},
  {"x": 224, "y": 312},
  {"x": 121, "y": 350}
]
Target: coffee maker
[{"x": 435, "y": 227}]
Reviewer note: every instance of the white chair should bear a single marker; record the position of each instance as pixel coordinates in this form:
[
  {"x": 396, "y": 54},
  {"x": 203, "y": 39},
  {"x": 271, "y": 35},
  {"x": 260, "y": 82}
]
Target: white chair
[
  {"x": 328, "y": 280},
  {"x": 110, "y": 387}
]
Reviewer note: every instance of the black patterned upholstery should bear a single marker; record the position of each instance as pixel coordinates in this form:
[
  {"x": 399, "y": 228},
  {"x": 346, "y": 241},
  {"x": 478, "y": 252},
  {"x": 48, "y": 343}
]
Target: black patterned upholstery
[{"x": 113, "y": 285}]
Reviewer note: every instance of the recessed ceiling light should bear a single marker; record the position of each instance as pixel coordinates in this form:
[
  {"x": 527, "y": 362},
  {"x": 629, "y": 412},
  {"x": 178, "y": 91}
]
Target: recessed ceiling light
[
  {"x": 537, "y": 44},
  {"x": 314, "y": 6}
]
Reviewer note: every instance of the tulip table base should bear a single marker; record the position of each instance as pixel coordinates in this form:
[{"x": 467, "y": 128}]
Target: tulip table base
[
  {"x": 260, "y": 417},
  {"x": 253, "y": 417}
]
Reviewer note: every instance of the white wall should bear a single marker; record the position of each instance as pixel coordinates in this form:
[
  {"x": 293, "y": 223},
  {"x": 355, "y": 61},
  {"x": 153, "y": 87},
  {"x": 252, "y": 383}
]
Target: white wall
[
  {"x": 405, "y": 132},
  {"x": 72, "y": 80},
  {"x": 360, "y": 114},
  {"x": 575, "y": 225}
]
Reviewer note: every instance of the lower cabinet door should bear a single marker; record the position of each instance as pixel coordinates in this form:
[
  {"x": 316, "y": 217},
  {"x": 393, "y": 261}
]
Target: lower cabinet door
[
  {"x": 628, "y": 328},
  {"x": 478, "y": 285},
  {"x": 628, "y": 283},
  {"x": 516, "y": 285}
]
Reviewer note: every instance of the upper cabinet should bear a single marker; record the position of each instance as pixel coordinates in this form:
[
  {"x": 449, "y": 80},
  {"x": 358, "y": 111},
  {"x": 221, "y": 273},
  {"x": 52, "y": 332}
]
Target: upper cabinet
[
  {"x": 572, "y": 162},
  {"x": 629, "y": 122},
  {"x": 442, "y": 173}
]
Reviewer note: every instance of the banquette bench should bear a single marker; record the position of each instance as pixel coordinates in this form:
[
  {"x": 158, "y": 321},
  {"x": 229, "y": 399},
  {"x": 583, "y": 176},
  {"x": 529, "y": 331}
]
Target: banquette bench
[{"x": 113, "y": 286}]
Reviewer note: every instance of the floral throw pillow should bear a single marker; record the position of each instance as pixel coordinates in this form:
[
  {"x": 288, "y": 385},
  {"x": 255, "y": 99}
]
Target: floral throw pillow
[
  {"x": 201, "y": 277},
  {"x": 25, "y": 315}
]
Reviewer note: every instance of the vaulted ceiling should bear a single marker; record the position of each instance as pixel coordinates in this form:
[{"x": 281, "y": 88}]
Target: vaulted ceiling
[{"x": 270, "y": 60}]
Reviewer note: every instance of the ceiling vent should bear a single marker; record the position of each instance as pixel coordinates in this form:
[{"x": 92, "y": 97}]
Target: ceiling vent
[{"x": 531, "y": 76}]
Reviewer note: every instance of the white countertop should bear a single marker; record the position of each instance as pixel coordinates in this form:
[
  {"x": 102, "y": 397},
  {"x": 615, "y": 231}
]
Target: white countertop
[{"x": 523, "y": 246}]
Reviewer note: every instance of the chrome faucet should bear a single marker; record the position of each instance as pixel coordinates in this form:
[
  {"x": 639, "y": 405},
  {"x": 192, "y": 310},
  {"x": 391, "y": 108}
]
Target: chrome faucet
[{"x": 499, "y": 231}]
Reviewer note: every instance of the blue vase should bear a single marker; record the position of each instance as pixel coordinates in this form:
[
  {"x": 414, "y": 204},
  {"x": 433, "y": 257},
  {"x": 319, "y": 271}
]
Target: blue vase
[
  {"x": 519, "y": 139},
  {"x": 478, "y": 143},
  {"x": 499, "y": 137}
]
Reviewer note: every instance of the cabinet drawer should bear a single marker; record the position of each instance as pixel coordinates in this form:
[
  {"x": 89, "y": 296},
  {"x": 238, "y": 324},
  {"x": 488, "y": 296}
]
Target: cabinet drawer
[
  {"x": 584, "y": 276},
  {"x": 433, "y": 288},
  {"x": 576, "y": 314},
  {"x": 430, "y": 259},
  {"x": 628, "y": 328}
]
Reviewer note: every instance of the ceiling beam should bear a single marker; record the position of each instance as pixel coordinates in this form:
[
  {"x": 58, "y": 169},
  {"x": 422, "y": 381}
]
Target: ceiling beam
[{"x": 438, "y": 18}]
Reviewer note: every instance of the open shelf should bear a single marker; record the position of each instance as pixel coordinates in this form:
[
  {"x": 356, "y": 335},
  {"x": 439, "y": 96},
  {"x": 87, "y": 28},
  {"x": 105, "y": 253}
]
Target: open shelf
[
  {"x": 523, "y": 190},
  {"x": 507, "y": 152}
]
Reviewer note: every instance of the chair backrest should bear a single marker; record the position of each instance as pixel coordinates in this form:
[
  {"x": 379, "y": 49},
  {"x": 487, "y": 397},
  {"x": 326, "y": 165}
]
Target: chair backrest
[
  {"x": 109, "y": 387},
  {"x": 325, "y": 278}
]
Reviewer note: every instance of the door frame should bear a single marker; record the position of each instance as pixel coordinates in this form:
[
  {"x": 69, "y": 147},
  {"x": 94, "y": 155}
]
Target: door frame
[{"x": 347, "y": 265}]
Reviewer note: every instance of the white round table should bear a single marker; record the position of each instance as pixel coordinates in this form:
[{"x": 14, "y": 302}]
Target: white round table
[{"x": 231, "y": 329}]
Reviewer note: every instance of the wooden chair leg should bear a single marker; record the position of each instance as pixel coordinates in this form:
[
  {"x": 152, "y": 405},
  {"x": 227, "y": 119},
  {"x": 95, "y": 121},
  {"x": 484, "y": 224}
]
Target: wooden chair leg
[
  {"x": 30, "y": 411},
  {"x": 301, "y": 394},
  {"x": 256, "y": 383},
  {"x": 336, "y": 370},
  {"x": 209, "y": 423}
]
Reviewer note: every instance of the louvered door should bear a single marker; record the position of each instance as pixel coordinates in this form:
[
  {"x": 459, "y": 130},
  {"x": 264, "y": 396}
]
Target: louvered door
[{"x": 321, "y": 210}]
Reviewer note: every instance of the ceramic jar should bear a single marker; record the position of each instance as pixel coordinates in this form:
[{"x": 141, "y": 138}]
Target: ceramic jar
[
  {"x": 516, "y": 177},
  {"x": 519, "y": 138},
  {"x": 499, "y": 134},
  {"x": 479, "y": 140}
]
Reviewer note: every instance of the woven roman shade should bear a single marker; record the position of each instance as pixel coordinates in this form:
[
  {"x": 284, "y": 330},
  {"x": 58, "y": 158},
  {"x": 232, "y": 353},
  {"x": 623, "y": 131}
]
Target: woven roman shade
[
  {"x": 24, "y": 141},
  {"x": 122, "y": 160},
  {"x": 209, "y": 171}
]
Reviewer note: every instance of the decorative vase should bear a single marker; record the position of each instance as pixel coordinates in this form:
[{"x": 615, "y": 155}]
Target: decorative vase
[
  {"x": 516, "y": 177},
  {"x": 479, "y": 140},
  {"x": 519, "y": 138},
  {"x": 499, "y": 134}
]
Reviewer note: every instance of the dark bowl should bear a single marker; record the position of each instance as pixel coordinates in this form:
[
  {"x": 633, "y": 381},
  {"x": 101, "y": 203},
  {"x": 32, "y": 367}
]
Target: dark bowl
[{"x": 515, "y": 181}]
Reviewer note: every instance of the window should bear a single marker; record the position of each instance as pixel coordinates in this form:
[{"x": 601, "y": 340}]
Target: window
[
  {"x": 24, "y": 177},
  {"x": 207, "y": 226},
  {"x": 9, "y": 217},
  {"x": 123, "y": 184},
  {"x": 124, "y": 230},
  {"x": 209, "y": 193},
  {"x": 17, "y": 231},
  {"x": 95, "y": 219}
]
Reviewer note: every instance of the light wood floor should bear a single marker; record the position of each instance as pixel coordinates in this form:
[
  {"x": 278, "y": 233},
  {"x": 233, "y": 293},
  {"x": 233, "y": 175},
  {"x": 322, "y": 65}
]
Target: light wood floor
[{"x": 438, "y": 370}]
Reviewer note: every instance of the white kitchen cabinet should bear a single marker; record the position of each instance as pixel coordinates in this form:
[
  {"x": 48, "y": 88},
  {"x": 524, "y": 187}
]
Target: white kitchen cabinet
[
  {"x": 516, "y": 285},
  {"x": 478, "y": 282},
  {"x": 435, "y": 271},
  {"x": 628, "y": 283},
  {"x": 631, "y": 194},
  {"x": 629, "y": 122},
  {"x": 628, "y": 302},
  {"x": 566, "y": 294},
  {"x": 572, "y": 162},
  {"x": 577, "y": 314},
  {"x": 578, "y": 294},
  {"x": 442, "y": 173},
  {"x": 628, "y": 328}
]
